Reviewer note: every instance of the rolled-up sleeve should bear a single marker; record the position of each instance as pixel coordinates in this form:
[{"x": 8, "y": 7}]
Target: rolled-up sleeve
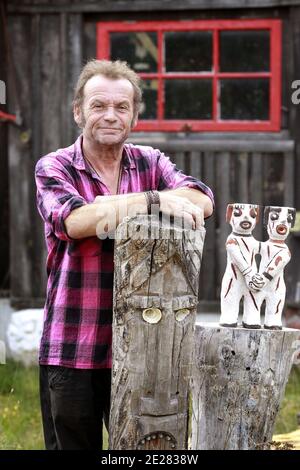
[
  {"x": 168, "y": 176},
  {"x": 56, "y": 197}
]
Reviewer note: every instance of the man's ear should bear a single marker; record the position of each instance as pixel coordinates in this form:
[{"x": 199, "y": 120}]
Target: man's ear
[
  {"x": 134, "y": 121},
  {"x": 77, "y": 113}
]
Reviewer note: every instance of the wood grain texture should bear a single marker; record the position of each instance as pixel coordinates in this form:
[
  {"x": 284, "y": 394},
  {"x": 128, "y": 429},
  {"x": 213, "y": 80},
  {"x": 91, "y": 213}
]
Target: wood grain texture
[
  {"x": 152, "y": 361},
  {"x": 238, "y": 383}
]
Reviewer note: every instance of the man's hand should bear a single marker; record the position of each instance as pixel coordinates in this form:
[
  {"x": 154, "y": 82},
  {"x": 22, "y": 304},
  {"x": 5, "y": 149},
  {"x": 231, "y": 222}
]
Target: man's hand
[{"x": 181, "y": 207}]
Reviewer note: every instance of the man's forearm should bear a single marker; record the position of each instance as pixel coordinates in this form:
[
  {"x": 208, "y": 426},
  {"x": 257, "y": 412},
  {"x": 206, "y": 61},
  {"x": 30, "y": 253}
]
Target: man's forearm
[
  {"x": 107, "y": 212},
  {"x": 104, "y": 214}
]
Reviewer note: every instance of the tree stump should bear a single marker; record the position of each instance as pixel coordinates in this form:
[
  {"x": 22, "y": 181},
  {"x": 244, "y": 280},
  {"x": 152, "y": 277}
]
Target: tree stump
[
  {"x": 156, "y": 283},
  {"x": 238, "y": 383}
]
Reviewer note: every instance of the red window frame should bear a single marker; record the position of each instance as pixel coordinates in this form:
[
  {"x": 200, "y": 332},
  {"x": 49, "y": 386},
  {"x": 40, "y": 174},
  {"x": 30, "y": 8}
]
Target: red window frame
[{"x": 215, "y": 124}]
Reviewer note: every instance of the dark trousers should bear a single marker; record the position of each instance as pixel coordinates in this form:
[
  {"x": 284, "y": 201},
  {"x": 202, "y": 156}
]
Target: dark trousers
[{"x": 74, "y": 403}]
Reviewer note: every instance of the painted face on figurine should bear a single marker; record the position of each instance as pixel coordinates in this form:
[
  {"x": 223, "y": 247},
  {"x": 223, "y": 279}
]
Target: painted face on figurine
[
  {"x": 242, "y": 217},
  {"x": 278, "y": 221}
]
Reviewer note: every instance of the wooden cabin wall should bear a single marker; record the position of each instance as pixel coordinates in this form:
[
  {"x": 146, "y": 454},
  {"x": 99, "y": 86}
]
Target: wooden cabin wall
[
  {"x": 4, "y": 201},
  {"x": 49, "y": 48}
]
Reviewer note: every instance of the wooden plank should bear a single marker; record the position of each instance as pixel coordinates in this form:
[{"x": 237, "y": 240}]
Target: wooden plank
[
  {"x": 179, "y": 159},
  {"x": 89, "y": 40},
  {"x": 35, "y": 226},
  {"x": 256, "y": 189},
  {"x": 242, "y": 180},
  {"x": 286, "y": 72},
  {"x": 4, "y": 203},
  {"x": 225, "y": 145},
  {"x": 207, "y": 288},
  {"x": 52, "y": 69},
  {"x": 20, "y": 153},
  {"x": 65, "y": 126},
  {"x": 289, "y": 175},
  {"x": 75, "y": 60},
  {"x": 223, "y": 198},
  {"x": 294, "y": 66},
  {"x": 195, "y": 164},
  {"x": 143, "y": 5}
]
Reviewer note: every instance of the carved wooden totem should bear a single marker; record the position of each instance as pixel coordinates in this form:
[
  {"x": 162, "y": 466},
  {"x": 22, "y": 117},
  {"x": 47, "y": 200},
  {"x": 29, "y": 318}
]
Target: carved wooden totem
[{"x": 155, "y": 300}]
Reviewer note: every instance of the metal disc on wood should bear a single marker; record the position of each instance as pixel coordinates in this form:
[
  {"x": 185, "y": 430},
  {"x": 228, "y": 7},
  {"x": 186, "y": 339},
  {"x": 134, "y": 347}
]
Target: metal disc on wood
[
  {"x": 152, "y": 315},
  {"x": 181, "y": 314}
]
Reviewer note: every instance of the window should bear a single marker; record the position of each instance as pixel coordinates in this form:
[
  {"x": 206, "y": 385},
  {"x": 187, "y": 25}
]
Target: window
[{"x": 201, "y": 75}]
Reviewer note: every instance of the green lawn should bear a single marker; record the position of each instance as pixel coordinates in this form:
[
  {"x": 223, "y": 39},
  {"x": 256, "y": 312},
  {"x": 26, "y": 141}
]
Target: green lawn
[{"x": 20, "y": 420}]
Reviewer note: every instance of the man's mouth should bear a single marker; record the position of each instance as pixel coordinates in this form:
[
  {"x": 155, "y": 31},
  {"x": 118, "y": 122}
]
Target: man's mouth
[
  {"x": 245, "y": 225},
  {"x": 281, "y": 229}
]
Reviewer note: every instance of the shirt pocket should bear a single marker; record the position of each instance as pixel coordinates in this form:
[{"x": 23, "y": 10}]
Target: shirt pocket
[{"x": 87, "y": 247}]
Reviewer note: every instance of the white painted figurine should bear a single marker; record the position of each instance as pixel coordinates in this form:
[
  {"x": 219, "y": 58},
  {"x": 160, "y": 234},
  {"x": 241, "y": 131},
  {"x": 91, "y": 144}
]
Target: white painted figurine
[
  {"x": 241, "y": 266},
  {"x": 243, "y": 278},
  {"x": 275, "y": 256}
]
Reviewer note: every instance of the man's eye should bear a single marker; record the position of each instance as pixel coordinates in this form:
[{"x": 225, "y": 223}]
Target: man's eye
[
  {"x": 253, "y": 213},
  {"x": 290, "y": 218},
  {"x": 237, "y": 212},
  {"x": 274, "y": 216}
]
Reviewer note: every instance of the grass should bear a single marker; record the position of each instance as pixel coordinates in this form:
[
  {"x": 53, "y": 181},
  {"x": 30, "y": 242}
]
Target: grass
[
  {"x": 20, "y": 418},
  {"x": 287, "y": 417}
]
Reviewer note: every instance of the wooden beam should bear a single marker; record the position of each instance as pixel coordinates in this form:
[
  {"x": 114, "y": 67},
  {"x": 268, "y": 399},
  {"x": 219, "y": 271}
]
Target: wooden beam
[
  {"x": 143, "y": 5},
  {"x": 226, "y": 145}
]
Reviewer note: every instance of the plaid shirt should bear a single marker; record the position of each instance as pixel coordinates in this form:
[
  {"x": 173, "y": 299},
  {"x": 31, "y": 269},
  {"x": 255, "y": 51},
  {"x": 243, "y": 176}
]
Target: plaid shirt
[{"x": 78, "y": 311}]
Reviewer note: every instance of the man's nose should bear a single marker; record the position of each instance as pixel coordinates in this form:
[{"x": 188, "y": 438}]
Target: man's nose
[{"x": 110, "y": 114}]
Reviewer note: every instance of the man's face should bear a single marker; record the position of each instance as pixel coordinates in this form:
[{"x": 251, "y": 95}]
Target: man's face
[{"x": 107, "y": 111}]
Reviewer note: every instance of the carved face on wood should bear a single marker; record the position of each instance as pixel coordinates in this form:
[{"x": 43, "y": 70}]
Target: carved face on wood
[
  {"x": 278, "y": 221},
  {"x": 242, "y": 217}
]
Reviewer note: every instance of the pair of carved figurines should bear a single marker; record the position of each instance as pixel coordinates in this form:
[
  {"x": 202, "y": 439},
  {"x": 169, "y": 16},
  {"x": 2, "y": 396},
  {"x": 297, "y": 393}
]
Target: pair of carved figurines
[{"x": 255, "y": 269}]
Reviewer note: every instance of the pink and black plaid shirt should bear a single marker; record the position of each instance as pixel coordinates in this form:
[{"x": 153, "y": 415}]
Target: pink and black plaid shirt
[{"x": 78, "y": 311}]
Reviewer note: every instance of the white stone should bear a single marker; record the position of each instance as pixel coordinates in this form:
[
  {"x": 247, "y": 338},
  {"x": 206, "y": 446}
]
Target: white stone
[{"x": 23, "y": 335}]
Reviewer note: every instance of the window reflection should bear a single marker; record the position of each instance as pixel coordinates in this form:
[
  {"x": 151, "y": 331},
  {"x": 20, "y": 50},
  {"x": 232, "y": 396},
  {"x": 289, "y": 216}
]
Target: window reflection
[
  {"x": 188, "y": 99},
  {"x": 149, "y": 104},
  {"x": 188, "y": 51},
  {"x": 138, "y": 49},
  {"x": 245, "y": 99},
  {"x": 244, "y": 51}
]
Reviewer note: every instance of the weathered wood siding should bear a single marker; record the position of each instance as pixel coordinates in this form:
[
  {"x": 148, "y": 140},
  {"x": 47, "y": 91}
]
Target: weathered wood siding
[
  {"x": 50, "y": 43},
  {"x": 4, "y": 208}
]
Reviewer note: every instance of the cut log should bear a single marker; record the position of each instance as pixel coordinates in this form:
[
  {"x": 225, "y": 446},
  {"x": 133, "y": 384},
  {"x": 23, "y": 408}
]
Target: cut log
[
  {"x": 156, "y": 283},
  {"x": 238, "y": 382}
]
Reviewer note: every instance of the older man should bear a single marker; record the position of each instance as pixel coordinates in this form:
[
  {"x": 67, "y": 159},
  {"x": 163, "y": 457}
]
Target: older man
[{"x": 83, "y": 191}]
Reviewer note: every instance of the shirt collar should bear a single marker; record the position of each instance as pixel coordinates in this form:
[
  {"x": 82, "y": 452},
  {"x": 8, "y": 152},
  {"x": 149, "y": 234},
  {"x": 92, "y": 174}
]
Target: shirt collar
[{"x": 78, "y": 160}]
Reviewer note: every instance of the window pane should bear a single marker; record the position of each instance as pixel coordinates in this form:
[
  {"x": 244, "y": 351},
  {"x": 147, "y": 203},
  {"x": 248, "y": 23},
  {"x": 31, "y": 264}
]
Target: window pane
[
  {"x": 245, "y": 99},
  {"x": 188, "y": 99},
  {"x": 244, "y": 51},
  {"x": 138, "y": 49},
  {"x": 189, "y": 51},
  {"x": 149, "y": 104}
]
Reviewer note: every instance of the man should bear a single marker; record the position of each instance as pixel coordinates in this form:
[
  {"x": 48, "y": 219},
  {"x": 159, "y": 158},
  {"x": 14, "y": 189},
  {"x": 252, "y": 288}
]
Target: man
[{"x": 82, "y": 191}]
